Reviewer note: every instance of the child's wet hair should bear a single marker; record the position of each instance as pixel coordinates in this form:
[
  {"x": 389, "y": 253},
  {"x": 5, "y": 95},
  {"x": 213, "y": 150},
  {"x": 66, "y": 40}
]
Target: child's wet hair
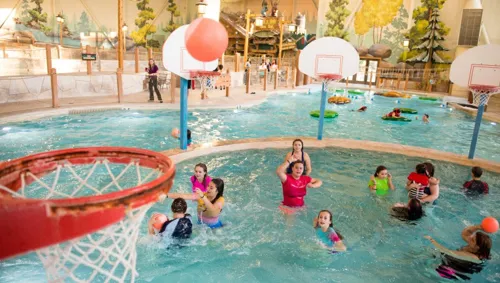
[
  {"x": 179, "y": 205},
  {"x": 379, "y": 169}
]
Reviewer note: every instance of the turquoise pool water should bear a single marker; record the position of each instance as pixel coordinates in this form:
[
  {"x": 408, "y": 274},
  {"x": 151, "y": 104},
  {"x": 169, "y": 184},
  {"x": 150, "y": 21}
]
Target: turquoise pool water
[
  {"x": 257, "y": 245},
  {"x": 279, "y": 115}
]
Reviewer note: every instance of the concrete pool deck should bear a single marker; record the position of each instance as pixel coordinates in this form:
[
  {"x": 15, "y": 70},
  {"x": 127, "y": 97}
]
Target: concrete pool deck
[{"x": 178, "y": 155}]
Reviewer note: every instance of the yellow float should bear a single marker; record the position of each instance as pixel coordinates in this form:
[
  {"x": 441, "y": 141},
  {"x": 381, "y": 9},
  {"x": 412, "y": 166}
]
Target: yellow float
[
  {"x": 339, "y": 100},
  {"x": 395, "y": 94}
]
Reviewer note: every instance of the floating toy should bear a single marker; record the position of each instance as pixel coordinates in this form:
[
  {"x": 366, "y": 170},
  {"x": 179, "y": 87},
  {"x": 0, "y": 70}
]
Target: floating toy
[
  {"x": 339, "y": 90},
  {"x": 328, "y": 114},
  {"x": 356, "y": 92},
  {"x": 407, "y": 110},
  {"x": 339, "y": 100},
  {"x": 401, "y": 119},
  {"x": 395, "y": 94},
  {"x": 428, "y": 98},
  {"x": 489, "y": 224}
]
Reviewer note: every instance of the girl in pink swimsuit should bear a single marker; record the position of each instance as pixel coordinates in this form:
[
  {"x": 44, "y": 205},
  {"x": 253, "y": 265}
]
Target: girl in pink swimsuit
[
  {"x": 295, "y": 184},
  {"x": 200, "y": 179}
]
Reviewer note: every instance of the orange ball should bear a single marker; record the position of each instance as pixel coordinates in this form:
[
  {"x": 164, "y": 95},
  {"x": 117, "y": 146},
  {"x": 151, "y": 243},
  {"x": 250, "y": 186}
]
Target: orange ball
[
  {"x": 175, "y": 133},
  {"x": 489, "y": 224},
  {"x": 206, "y": 39},
  {"x": 158, "y": 219}
]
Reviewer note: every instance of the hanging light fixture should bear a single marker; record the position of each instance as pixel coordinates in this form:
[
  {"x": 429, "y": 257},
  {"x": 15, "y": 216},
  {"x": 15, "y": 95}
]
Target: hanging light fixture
[{"x": 202, "y": 7}]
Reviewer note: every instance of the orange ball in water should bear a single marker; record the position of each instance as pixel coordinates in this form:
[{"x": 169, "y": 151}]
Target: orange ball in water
[
  {"x": 489, "y": 224},
  {"x": 206, "y": 39},
  {"x": 158, "y": 220},
  {"x": 175, "y": 133}
]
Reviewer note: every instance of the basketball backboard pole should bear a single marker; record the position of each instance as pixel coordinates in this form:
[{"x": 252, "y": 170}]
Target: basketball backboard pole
[
  {"x": 322, "y": 110},
  {"x": 475, "y": 134},
  {"x": 184, "y": 113}
]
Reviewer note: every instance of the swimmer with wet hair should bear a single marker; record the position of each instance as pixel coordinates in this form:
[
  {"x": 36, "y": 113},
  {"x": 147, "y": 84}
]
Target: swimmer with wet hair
[{"x": 326, "y": 233}]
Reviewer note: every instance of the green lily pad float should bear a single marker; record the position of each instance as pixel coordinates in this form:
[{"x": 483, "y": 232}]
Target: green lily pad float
[{"x": 328, "y": 114}]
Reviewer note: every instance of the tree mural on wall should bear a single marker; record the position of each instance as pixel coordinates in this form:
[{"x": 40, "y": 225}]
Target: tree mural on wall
[
  {"x": 376, "y": 15},
  {"x": 428, "y": 28},
  {"x": 394, "y": 37},
  {"x": 430, "y": 42},
  {"x": 361, "y": 28},
  {"x": 336, "y": 16},
  {"x": 25, "y": 15},
  {"x": 37, "y": 17},
  {"x": 174, "y": 13},
  {"x": 143, "y": 22},
  {"x": 84, "y": 25}
]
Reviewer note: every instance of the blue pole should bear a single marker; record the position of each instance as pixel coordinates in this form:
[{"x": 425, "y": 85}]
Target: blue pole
[
  {"x": 475, "y": 135},
  {"x": 184, "y": 113},
  {"x": 322, "y": 111}
]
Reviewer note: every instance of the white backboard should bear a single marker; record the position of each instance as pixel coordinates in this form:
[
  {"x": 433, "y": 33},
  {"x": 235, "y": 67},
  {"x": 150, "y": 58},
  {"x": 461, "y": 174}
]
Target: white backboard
[
  {"x": 329, "y": 55},
  {"x": 478, "y": 66},
  {"x": 177, "y": 59}
]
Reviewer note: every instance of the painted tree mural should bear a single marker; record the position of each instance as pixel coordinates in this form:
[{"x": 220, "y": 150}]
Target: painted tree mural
[
  {"x": 37, "y": 17},
  {"x": 376, "y": 15},
  {"x": 422, "y": 16},
  {"x": 361, "y": 28},
  {"x": 394, "y": 37},
  {"x": 144, "y": 23},
  {"x": 84, "y": 25},
  {"x": 430, "y": 42},
  {"x": 25, "y": 15},
  {"x": 174, "y": 13},
  {"x": 336, "y": 16}
]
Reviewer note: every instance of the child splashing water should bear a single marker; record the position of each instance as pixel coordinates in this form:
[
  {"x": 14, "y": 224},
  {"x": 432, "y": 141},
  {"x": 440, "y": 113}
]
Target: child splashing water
[
  {"x": 325, "y": 232},
  {"x": 200, "y": 179}
]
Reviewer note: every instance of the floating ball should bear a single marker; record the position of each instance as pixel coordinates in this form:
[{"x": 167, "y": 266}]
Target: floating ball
[
  {"x": 175, "y": 133},
  {"x": 206, "y": 39},
  {"x": 489, "y": 224},
  {"x": 158, "y": 219}
]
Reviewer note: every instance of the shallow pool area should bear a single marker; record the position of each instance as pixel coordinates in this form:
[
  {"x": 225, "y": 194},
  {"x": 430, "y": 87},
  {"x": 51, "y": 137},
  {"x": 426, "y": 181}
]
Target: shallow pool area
[
  {"x": 258, "y": 244},
  {"x": 280, "y": 115}
]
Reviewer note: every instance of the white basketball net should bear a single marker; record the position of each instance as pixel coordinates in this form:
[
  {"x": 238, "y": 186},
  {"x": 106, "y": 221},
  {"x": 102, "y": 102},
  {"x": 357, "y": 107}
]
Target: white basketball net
[
  {"x": 481, "y": 96},
  {"x": 327, "y": 82},
  {"x": 108, "y": 255}
]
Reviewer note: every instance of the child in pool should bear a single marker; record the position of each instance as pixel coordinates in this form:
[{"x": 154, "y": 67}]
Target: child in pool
[
  {"x": 396, "y": 113},
  {"x": 381, "y": 181},
  {"x": 200, "y": 179},
  {"x": 476, "y": 186},
  {"x": 180, "y": 227},
  {"x": 325, "y": 232},
  {"x": 176, "y": 134},
  {"x": 417, "y": 181},
  {"x": 425, "y": 118}
]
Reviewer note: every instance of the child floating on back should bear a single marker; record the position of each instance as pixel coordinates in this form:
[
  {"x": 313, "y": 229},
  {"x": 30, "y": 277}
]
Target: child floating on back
[{"x": 326, "y": 233}]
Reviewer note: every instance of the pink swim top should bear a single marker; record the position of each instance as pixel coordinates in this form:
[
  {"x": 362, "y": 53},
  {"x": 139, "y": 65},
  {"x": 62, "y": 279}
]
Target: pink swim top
[
  {"x": 203, "y": 187},
  {"x": 294, "y": 190}
]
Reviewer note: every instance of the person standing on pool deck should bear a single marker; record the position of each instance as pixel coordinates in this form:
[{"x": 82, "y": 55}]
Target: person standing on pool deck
[
  {"x": 295, "y": 185},
  {"x": 298, "y": 154},
  {"x": 153, "y": 81}
]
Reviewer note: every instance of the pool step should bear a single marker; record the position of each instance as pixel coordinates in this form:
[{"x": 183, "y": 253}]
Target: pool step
[{"x": 83, "y": 111}]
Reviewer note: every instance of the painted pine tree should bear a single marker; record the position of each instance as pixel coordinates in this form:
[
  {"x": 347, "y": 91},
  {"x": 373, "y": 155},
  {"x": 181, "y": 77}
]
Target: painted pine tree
[
  {"x": 37, "y": 17},
  {"x": 394, "y": 37},
  {"x": 84, "y": 23},
  {"x": 174, "y": 13},
  {"x": 144, "y": 23},
  {"x": 336, "y": 16},
  {"x": 25, "y": 15},
  {"x": 430, "y": 42}
]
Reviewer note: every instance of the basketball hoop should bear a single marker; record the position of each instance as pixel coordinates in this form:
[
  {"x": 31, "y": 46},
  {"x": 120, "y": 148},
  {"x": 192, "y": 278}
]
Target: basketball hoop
[
  {"x": 482, "y": 93},
  {"x": 81, "y": 209},
  {"x": 328, "y": 78},
  {"x": 207, "y": 79}
]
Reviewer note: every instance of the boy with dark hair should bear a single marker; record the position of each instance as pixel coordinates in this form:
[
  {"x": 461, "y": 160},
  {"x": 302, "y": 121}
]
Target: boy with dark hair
[
  {"x": 180, "y": 227},
  {"x": 476, "y": 186}
]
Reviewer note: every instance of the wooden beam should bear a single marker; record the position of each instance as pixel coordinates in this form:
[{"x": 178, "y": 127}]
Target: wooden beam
[{"x": 247, "y": 35}]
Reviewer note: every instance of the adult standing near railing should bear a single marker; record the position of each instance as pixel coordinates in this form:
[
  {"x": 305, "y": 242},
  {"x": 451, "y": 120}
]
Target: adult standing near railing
[{"x": 153, "y": 81}]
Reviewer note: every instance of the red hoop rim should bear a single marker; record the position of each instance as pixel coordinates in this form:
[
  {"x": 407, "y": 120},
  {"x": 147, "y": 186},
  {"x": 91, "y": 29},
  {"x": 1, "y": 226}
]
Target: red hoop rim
[
  {"x": 52, "y": 221},
  {"x": 332, "y": 77},
  {"x": 485, "y": 88},
  {"x": 196, "y": 74}
]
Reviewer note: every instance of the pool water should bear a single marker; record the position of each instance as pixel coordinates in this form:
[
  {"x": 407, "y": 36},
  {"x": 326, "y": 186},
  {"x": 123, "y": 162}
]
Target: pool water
[
  {"x": 257, "y": 244},
  {"x": 279, "y": 115}
]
